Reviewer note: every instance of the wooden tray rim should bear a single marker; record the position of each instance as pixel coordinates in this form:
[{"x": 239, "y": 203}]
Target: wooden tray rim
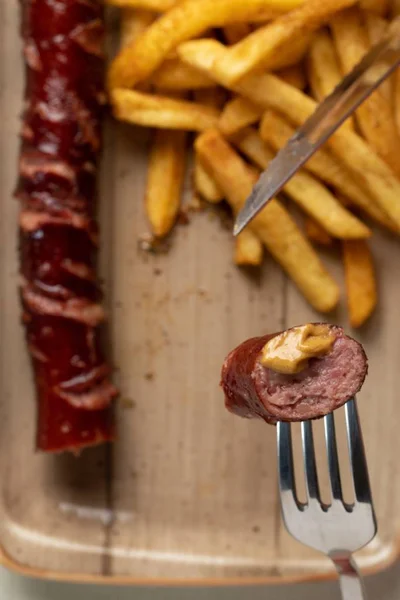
[{"x": 14, "y": 566}]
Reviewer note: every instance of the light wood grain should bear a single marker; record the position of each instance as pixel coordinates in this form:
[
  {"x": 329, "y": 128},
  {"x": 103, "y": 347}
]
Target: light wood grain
[{"x": 188, "y": 492}]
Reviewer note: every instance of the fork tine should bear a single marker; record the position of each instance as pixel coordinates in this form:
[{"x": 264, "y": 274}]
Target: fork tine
[
  {"x": 337, "y": 530},
  {"x": 333, "y": 459},
  {"x": 310, "y": 468},
  {"x": 287, "y": 484},
  {"x": 357, "y": 453}
]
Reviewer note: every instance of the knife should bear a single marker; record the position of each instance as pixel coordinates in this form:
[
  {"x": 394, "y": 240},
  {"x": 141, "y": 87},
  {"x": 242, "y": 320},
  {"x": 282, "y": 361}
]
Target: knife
[{"x": 374, "y": 68}]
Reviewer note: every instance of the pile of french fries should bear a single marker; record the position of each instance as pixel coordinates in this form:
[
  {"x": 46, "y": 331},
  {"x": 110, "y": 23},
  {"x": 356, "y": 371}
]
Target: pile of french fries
[{"x": 242, "y": 75}]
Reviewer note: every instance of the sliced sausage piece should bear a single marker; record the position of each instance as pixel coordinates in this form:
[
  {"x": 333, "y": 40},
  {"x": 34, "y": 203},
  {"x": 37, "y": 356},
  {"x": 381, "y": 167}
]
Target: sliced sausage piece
[{"x": 325, "y": 383}]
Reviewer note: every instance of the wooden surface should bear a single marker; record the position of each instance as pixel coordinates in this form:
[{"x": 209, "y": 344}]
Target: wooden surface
[{"x": 188, "y": 491}]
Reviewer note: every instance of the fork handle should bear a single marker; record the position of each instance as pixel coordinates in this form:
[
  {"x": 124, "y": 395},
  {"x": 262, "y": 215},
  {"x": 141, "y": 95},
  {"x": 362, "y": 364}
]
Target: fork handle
[{"x": 350, "y": 581}]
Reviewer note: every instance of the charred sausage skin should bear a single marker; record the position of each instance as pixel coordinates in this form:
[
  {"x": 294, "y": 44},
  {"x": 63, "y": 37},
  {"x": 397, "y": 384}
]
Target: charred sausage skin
[{"x": 57, "y": 190}]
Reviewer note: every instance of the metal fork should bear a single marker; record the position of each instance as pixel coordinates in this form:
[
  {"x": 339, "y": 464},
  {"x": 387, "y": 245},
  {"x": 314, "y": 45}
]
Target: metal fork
[{"x": 337, "y": 529}]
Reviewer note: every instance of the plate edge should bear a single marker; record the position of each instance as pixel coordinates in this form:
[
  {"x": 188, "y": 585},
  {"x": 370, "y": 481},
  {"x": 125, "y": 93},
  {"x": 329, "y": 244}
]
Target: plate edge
[{"x": 119, "y": 580}]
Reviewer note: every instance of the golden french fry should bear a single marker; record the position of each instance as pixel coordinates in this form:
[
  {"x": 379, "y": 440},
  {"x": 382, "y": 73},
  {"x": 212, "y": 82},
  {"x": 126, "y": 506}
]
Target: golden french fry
[
  {"x": 160, "y": 111},
  {"x": 376, "y": 29},
  {"x": 273, "y": 225},
  {"x": 316, "y": 233},
  {"x": 396, "y": 99},
  {"x": 276, "y": 132},
  {"x": 374, "y": 116},
  {"x": 248, "y": 249},
  {"x": 151, "y": 5},
  {"x": 204, "y": 183},
  {"x": 203, "y": 54},
  {"x": 294, "y": 75},
  {"x": 379, "y": 7},
  {"x": 324, "y": 68},
  {"x": 184, "y": 21},
  {"x": 291, "y": 54},
  {"x": 133, "y": 23},
  {"x": 268, "y": 91},
  {"x": 361, "y": 287},
  {"x": 165, "y": 180},
  {"x": 308, "y": 193},
  {"x": 395, "y": 12},
  {"x": 176, "y": 75},
  {"x": 235, "y": 32},
  {"x": 262, "y": 48},
  {"x": 270, "y": 9},
  {"x": 237, "y": 114}
]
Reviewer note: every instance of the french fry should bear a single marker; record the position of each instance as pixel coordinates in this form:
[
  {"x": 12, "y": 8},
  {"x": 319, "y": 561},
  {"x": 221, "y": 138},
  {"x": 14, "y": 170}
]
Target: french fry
[
  {"x": 379, "y": 7},
  {"x": 133, "y": 23},
  {"x": 276, "y": 132},
  {"x": 307, "y": 192},
  {"x": 291, "y": 54},
  {"x": 268, "y": 91},
  {"x": 396, "y": 99},
  {"x": 248, "y": 249},
  {"x": 237, "y": 114},
  {"x": 269, "y": 9},
  {"x": 160, "y": 111},
  {"x": 235, "y": 32},
  {"x": 374, "y": 116},
  {"x": 263, "y": 47},
  {"x": 151, "y": 5},
  {"x": 361, "y": 287},
  {"x": 295, "y": 76},
  {"x": 204, "y": 183},
  {"x": 324, "y": 69},
  {"x": 376, "y": 29},
  {"x": 274, "y": 226},
  {"x": 176, "y": 75},
  {"x": 165, "y": 180},
  {"x": 395, "y": 12},
  {"x": 316, "y": 233},
  {"x": 203, "y": 54},
  {"x": 186, "y": 20}
]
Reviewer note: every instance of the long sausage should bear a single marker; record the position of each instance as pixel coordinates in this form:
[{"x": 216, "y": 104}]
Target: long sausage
[
  {"x": 59, "y": 290},
  {"x": 252, "y": 390}
]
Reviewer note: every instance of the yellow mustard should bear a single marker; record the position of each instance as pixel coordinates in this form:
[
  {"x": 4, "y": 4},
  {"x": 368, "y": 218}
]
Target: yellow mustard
[{"x": 290, "y": 351}]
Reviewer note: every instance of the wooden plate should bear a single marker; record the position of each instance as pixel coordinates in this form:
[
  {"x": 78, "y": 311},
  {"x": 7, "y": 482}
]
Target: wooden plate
[{"x": 188, "y": 493}]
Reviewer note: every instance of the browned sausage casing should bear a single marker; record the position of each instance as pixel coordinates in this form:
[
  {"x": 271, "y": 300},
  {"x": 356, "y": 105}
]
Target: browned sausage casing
[
  {"x": 252, "y": 390},
  {"x": 57, "y": 191}
]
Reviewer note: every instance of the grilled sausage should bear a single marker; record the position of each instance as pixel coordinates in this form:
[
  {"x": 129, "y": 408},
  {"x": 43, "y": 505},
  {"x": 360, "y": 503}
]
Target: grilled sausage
[{"x": 61, "y": 297}]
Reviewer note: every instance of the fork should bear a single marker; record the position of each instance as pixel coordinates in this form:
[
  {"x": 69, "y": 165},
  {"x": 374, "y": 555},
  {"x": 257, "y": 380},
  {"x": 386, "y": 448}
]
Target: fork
[{"x": 337, "y": 529}]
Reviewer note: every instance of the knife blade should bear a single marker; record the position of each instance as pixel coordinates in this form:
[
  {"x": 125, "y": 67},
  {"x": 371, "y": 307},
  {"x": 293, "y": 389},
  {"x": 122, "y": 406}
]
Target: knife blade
[{"x": 374, "y": 68}]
